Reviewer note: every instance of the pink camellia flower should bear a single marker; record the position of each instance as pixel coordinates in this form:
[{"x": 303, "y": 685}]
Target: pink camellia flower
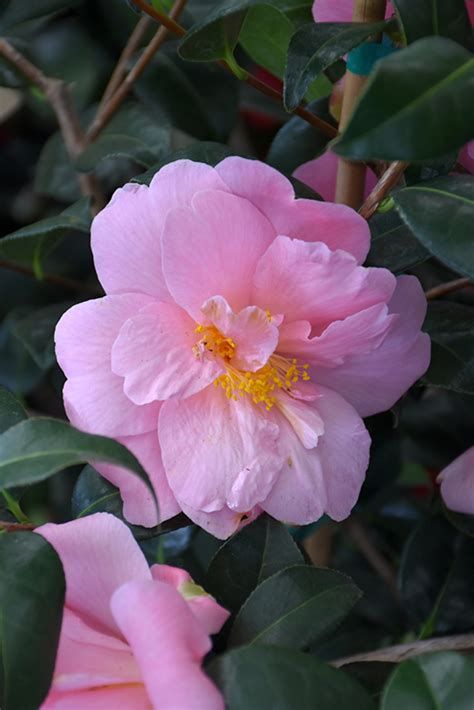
[
  {"x": 338, "y": 10},
  {"x": 457, "y": 483},
  {"x": 238, "y": 347},
  {"x": 321, "y": 173},
  {"x": 131, "y": 637}
]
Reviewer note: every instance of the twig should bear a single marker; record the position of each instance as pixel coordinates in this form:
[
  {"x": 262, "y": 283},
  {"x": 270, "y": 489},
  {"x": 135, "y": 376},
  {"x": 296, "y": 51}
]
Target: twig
[
  {"x": 388, "y": 180},
  {"x": 250, "y": 79},
  {"x": 61, "y": 281},
  {"x": 15, "y": 527},
  {"x": 396, "y": 654},
  {"x": 375, "y": 559},
  {"x": 448, "y": 287},
  {"x": 130, "y": 48},
  {"x": 114, "y": 102},
  {"x": 59, "y": 97}
]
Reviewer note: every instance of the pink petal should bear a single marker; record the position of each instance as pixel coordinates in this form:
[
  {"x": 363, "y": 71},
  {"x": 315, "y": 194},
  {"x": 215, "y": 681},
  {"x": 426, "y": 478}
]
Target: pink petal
[
  {"x": 326, "y": 478},
  {"x": 168, "y": 644},
  {"x": 129, "y": 227},
  {"x": 252, "y": 331},
  {"x": 374, "y": 381},
  {"x": 466, "y": 156},
  {"x": 338, "y": 226},
  {"x": 457, "y": 483},
  {"x": 93, "y": 396},
  {"x": 338, "y": 10},
  {"x": 139, "y": 508},
  {"x": 116, "y": 697},
  {"x": 212, "y": 249},
  {"x": 304, "y": 419},
  {"x": 218, "y": 452},
  {"x": 154, "y": 353},
  {"x": 221, "y": 523},
  {"x": 320, "y": 175},
  {"x": 88, "y": 658},
  {"x": 310, "y": 282},
  {"x": 211, "y": 615},
  {"x": 98, "y": 554},
  {"x": 470, "y": 10}
]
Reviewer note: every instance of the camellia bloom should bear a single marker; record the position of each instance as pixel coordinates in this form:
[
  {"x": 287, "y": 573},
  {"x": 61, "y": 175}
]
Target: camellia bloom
[
  {"x": 457, "y": 483},
  {"x": 238, "y": 347},
  {"x": 131, "y": 636},
  {"x": 321, "y": 173}
]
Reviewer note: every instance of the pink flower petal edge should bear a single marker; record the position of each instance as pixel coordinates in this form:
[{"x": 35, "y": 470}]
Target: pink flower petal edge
[{"x": 457, "y": 483}]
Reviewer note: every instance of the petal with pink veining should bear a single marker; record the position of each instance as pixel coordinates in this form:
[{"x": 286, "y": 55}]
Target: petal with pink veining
[
  {"x": 154, "y": 354},
  {"x": 217, "y": 451},
  {"x": 93, "y": 571},
  {"x": 212, "y": 248},
  {"x": 310, "y": 282},
  {"x": 457, "y": 483},
  {"x": 252, "y": 331},
  {"x": 168, "y": 644},
  {"x": 327, "y": 477}
]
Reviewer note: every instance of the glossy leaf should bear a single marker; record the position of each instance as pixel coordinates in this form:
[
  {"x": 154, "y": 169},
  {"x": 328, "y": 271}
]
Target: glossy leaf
[
  {"x": 315, "y": 47},
  {"x": 297, "y": 141},
  {"x": 32, "y": 243},
  {"x": 464, "y": 523},
  {"x": 257, "y": 678},
  {"x": 295, "y": 607},
  {"x": 11, "y": 411},
  {"x": 417, "y": 105},
  {"x": 248, "y": 558},
  {"x": 18, "y": 370},
  {"x": 36, "y": 332},
  {"x": 35, "y": 449},
  {"x": 434, "y": 681},
  {"x": 423, "y": 18},
  {"x": 440, "y": 213},
  {"x": 265, "y": 36},
  {"x": 32, "y": 589},
  {"x": 202, "y": 152},
  {"x": 14, "y": 13},
  {"x": 393, "y": 245}
]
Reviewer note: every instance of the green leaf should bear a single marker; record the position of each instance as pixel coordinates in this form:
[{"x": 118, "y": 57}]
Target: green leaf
[
  {"x": 440, "y": 213},
  {"x": 260, "y": 678},
  {"x": 133, "y": 133},
  {"x": 32, "y": 589},
  {"x": 13, "y": 13},
  {"x": 433, "y": 681},
  {"x": 32, "y": 243},
  {"x": 436, "y": 578},
  {"x": 265, "y": 36},
  {"x": 203, "y": 152},
  {"x": 393, "y": 245},
  {"x": 315, "y": 47},
  {"x": 297, "y": 141},
  {"x": 417, "y": 105},
  {"x": 18, "y": 370},
  {"x": 248, "y": 558},
  {"x": 11, "y": 411},
  {"x": 448, "y": 18},
  {"x": 36, "y": 448},
  {"x": 36, "y": 332},
  {"x": 295, "y": 607},
  {"x": 463, "y": 523},
  {"x": 55, "y": 175}
]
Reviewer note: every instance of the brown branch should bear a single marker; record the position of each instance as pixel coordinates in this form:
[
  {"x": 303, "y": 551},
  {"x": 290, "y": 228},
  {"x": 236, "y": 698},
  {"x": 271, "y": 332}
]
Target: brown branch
[
  {"x": 448, "y": 287},
  {"x": 115, "y": 101},
  {"x": 388, "y": 180},
  {"x": 130, "y": 48},
  {"x": 59, "y": 97},
  {"x": 15, "y": 527},
  {"x": 376, "y": 560},
  {"x": 396, "y": 654},
  {"x": 250, "y": 79},
  {"x": 61, "y": 281}
]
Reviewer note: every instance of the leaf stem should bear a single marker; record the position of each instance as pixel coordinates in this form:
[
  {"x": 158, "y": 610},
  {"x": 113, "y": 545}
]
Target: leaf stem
[
  {"x": 388, "y": 180},
  {"x": 448, "y": 287}
]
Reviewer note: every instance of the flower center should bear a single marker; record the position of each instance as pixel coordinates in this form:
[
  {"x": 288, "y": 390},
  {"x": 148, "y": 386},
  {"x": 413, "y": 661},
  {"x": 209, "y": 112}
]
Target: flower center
[{"x": 278, "y": 373}]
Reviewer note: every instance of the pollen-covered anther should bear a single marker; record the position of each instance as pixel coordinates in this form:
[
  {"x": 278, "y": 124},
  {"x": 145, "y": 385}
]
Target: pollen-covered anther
[{"x": 213, "y": 341}]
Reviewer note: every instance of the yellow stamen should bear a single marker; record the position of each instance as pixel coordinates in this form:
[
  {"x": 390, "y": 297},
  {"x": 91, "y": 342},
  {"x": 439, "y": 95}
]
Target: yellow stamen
[{"x": 215, "y": 342}]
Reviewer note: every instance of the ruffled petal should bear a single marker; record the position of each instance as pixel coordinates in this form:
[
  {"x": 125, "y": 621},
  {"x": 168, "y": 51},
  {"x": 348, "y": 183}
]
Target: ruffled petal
[
  {"x": 310, "y": 282},
  {"x": 217, "y": 451},
  {"x": 154, "y": 353},
  {"x": 212, "y": 249},
  {"x": 457, "y": 483},
  {"x": 252, "y": 331},
  {"x": 98, "y": 554},
  {"x": 327, "y": 477},
  {"x": 125, "y": 236},
  {"x": 168, "y": 644},
  {"x": 139, "y": 507},
  {"x": 372, "y": 382}
]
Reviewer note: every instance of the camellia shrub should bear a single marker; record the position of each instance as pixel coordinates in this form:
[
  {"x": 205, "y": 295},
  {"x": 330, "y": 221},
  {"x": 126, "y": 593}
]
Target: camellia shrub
[{"x": 237, "y": 355}]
